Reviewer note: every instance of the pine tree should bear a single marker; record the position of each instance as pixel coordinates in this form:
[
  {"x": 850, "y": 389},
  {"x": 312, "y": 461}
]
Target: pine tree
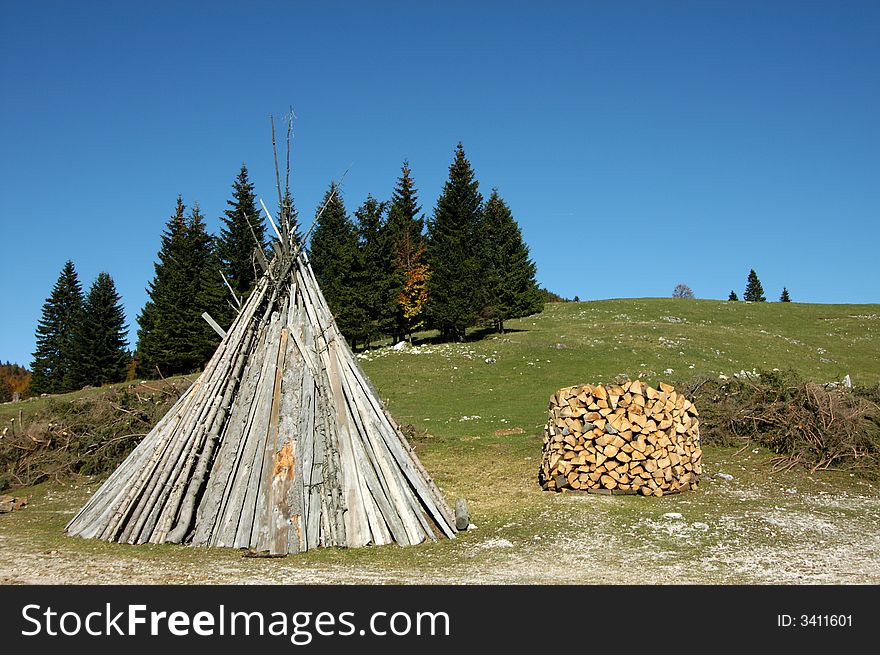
[
  {"x": 208, "y": 291},
  {"x": 549, "y": 296},
  {"x": 100, "y": 345},
  {"x": 172, "y": 335},
  {"x": 161, "y": 334},
  {"x": 242, "y": 224},
  {"x": 733, "y": 297},
  {"x": 508, "y": 274},
  {"x": 754, "y": 290},
  {"x": 289, "y": 217},
  {"x": 405, "y": 227},
  {"x": 454, "y": 252},
  {"x": 53, "y": 365},
  {"x": 377, "y": 286},
  {"x": 337, "y": 264},
  {"x": 784, "y": 297}
]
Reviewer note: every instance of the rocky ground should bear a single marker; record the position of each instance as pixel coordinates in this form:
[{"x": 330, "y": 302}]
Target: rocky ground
[{"x": 744, "y": 525}]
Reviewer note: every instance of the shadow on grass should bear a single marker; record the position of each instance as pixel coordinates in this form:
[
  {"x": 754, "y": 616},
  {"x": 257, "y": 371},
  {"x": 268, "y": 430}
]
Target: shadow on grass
[{"x": 434, "y": 338}]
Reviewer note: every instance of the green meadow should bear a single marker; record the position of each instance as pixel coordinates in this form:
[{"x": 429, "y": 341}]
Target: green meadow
[{"x": 477, "y": 411}]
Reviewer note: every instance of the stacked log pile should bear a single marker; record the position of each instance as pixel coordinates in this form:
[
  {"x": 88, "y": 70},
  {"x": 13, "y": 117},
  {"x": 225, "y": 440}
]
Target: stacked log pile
[{"x": 621, "y": 439}]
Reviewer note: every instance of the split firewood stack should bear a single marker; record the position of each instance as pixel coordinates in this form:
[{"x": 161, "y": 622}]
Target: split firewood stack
[{"x": 621, "y": 439}]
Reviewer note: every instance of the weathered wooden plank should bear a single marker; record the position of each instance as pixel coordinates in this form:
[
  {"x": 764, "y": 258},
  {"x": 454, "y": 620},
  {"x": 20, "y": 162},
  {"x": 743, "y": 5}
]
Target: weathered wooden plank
[
  {"x": 278, "y": 467},
  {"x": 248, "y": 519},
  {"x": 235, "y": 475},
  {"x": 398, "y": 513},
  {"x": 214, "y": 325},
  {"x": 408, "y": 462},
  {"x": 216, "y": 428}
]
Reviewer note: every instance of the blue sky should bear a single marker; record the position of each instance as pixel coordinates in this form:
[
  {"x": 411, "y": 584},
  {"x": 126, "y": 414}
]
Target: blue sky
[{"x": 639, "y": 144}]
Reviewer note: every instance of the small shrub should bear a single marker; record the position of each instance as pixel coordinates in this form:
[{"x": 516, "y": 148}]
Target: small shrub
[{"x": 682, "y": 291}]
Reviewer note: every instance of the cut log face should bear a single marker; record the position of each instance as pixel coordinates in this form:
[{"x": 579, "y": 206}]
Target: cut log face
[
  {"x": 641, "y": 440},
  {"x": 280, "y": 445}
]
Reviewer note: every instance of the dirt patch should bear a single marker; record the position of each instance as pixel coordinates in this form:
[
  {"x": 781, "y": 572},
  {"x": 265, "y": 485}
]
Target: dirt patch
[
  {"x": 508, "y": 431},
  {"x": 756, "y": 528}
]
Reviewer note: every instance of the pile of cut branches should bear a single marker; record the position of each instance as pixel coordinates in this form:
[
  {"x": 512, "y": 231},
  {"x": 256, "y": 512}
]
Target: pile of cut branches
[
  {"x": 805, "y": 423},
  {"x": 90, "y": 435}
]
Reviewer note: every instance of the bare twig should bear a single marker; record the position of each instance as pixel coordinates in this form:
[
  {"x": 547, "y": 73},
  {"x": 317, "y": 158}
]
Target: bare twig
[
  {"x": 176, "y": 392},
  {"x": 290, "y": 118},
  {"x": 229, "y": 286},
  {"x": 320, "y": 213},
  {"x": 274, "y": 227},
  {"x": 275, "y": 155}
]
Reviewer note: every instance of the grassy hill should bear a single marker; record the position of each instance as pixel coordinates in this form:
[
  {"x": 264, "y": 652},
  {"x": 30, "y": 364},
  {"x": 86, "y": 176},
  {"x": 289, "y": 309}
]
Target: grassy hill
[
  {"x": 437, "y": 387},
  {"x": 478, "y": 409}
]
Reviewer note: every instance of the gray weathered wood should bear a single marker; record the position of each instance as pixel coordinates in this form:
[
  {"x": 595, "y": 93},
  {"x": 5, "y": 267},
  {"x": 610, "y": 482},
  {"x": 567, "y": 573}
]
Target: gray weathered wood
[
  {"x": 214, "y": 325},
  {"x": 280, "y": 445}
]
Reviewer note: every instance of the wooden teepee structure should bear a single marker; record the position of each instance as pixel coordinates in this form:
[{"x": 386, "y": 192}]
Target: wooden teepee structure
[{"x": 280, "y": 445}]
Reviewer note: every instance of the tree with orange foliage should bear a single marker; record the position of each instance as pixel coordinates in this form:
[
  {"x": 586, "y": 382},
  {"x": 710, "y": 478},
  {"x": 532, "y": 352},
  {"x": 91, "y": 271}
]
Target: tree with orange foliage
[
  {"x": 405, "y": 228},
  {"x": 13, "y": 379},
  {"x": 414, "y": 296}
]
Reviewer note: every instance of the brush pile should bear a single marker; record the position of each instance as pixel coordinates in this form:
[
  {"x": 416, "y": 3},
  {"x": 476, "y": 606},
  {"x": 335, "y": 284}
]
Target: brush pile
[
  {"x": 87, "y": 435},
  {"x": 807, "y": 425}
]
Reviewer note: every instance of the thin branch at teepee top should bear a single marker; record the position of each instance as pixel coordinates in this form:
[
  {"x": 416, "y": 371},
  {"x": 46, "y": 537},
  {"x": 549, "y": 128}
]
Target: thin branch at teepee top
[
  {"x": 320, "y": 213},
  {"x": 296, "y": 251},
  {"x": 258, "y": 251},
  {"x": 274, "y": 227},
  {"x": 275, "y": 157},
  {"x": 229, "y": 286},
  {"x": 290, "y": 118}
]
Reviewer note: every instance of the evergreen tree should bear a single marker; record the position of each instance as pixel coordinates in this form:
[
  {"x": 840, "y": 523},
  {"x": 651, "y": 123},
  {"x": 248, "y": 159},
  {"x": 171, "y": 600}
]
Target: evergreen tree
[
  {"x": 289, "y": 217},
  {"x": 405, "y": 227},
  {"x": 53, "y": 365},
  {"x": 100, "y": 345},
  {"x": 172, "y": 335},
  {"x": 336, "y": 261},
  {"x": 208, "y": 291},
  {"x": 733, "y": 296},
  {"x": 242, "y": 223},
  {"x": 508, "y": 274},
  {"x": 784, "y": 297},
  {"x": 454, "y": 252},
  {"x": 161, "y": 334},
  {"x": 549, "y": 296},
  {"x": 754, "y": 290},
  {"x": 377, "y": 284}
]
